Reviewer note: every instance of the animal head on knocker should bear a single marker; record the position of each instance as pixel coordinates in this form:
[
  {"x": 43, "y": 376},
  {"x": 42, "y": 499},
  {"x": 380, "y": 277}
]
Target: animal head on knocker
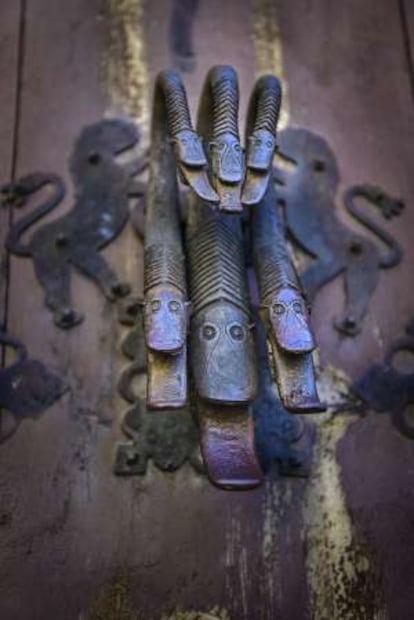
[
  {"x": 222, "y": 333},
  {"x": 288, "y": 318},
  {"x": 227, "y": 158},
  {"x": 261, "y": 147},
  {"x": 189, "y": 148},
  {"x": 166, "y": 316}
]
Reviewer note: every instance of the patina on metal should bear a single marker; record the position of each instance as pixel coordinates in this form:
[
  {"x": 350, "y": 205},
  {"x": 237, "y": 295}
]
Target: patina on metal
[
  {"x": 27, "y": 387},
  {"x": 283, "y": 308},
  {"x": 102, "y": 188},
  {"x": 222, "y": 348},
  {"x": 223, "y": 357},
  {"x": 223, "y": 364},
  {"x": 261, "y": 125},
  {"x": 171, "y": 438},
  {"x": 385, "y": 388},
  {"x": 173, "y": 143},
  {"x": 307, "y": 177},
  {"x": 218, "y": 125}
]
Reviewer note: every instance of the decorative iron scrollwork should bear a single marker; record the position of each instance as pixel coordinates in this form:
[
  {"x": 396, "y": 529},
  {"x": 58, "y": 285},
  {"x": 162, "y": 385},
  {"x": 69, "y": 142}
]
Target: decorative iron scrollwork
[
  {"x": 27, "y": 387},
  {"x": 102, "y": 189},
  {"x": 385, "y": 388},
  {"x": 307, "y": 177}
]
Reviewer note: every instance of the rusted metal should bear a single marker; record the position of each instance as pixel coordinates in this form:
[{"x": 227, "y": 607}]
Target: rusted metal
[
  {"x": 307, "y": 177},
  {"x": 173, "y": 143},
  {"x": 384, "y": 388},
  {"x": 223, "y": 357},
  {"x": 218, "y": 125},
  {"x": 283, "y": 309},
  {"x": 102, "y": 188},
  {"x": 27, "y": 387},
  {"x": 262, "y": 117}
]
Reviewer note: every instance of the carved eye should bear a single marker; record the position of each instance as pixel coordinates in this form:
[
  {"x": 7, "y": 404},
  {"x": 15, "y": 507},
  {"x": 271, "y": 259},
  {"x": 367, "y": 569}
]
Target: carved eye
[
  {"x": 269, "y": 143},
  {"x": 209, "y": 332},
  {"x": 221, "y": 146},
  {"x": 184, "y": 140},
  {"x": 174, "y": 306},
  {"x": 155, "y": 305},
  {"x": 297, "y": 306},
  {"x": 318, "y": 165},
  {"x": 237, "y": 147},
  {"x": 237, "y": 332},
  {"x": 279, "y": 308},
  {"x": 94, "y": 158}
]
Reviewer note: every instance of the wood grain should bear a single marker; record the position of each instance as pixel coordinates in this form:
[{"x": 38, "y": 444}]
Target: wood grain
[
  {"x": 348, "y": 81},
  {"x": 9, "y": 58}
]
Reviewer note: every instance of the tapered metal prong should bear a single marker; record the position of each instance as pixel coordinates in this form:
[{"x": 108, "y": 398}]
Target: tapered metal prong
[
  {"x": 262, "y": 117},
  {"x": 228, "y": 448}
]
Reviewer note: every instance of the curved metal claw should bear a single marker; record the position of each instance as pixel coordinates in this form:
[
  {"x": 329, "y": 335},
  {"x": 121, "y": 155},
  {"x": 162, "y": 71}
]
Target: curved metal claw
[
  {"x": 262, "y": 117},
  {"x": 283, "y": 309},
  {"x": 218, "y": 125},
  {"x": 228, "y": 447},
  {"x": 170, "y": 98}
]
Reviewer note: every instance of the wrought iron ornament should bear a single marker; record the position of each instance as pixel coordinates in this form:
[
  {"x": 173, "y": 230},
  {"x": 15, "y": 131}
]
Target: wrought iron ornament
[
  {"x": 214, "y": 306},
  {"x": 102, "y": 189},
  {"x": 384, "y": 388},
  {"x": 27, "y": 387},
  {"x": 307, "y": 177},
  {"x": 169, "y": 438}
]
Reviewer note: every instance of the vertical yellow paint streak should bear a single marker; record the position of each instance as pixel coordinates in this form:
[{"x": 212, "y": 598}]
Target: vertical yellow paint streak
[
  {"x": 343, "y": 585},
  {"x": 341, "y": 582},
  {"x": 277, "y": 499},
  {"x": 125, "y": 69},
  {"x": 268, "y": 47}
]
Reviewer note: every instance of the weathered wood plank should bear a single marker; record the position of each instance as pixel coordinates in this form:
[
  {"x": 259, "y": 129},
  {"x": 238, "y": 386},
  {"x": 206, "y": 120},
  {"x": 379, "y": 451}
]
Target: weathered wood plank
[
  {"x": 45, "y": 460},
  {"x": 9, "y": 56},
  {"x": 407, "y": 26},
  {"x": 347, "y": 80},
  {"x": 346, "y": 69}
]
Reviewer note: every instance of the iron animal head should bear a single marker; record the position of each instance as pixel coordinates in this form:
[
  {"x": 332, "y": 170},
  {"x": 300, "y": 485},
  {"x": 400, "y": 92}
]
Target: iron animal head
[
  {"x": 288, "y": 320},
  {"x": 166, "y": 316},
  {"x": 99, "y": 145},
  {"x": 262, "y": 144},
  {"x": 227, "y": 158},
  {"x": 223, "y": 349}
]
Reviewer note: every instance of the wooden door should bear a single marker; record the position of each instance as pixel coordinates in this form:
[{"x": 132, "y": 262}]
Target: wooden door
[{"x": 79, "y": 543}]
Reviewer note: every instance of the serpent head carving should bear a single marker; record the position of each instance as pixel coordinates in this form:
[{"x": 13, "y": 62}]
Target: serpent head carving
[
  {"x": 165, "y": 319},
  {"x": 288, "y": 316},
  {"x": 227, "y": 158},
  {"x": 224, "y": 363},
  {"x": 261, "y": 147},
  {"x": 189, "y": 148}
]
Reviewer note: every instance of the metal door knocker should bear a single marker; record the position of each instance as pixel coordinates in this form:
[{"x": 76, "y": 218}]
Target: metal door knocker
[{"x": 198, "y": 314}]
